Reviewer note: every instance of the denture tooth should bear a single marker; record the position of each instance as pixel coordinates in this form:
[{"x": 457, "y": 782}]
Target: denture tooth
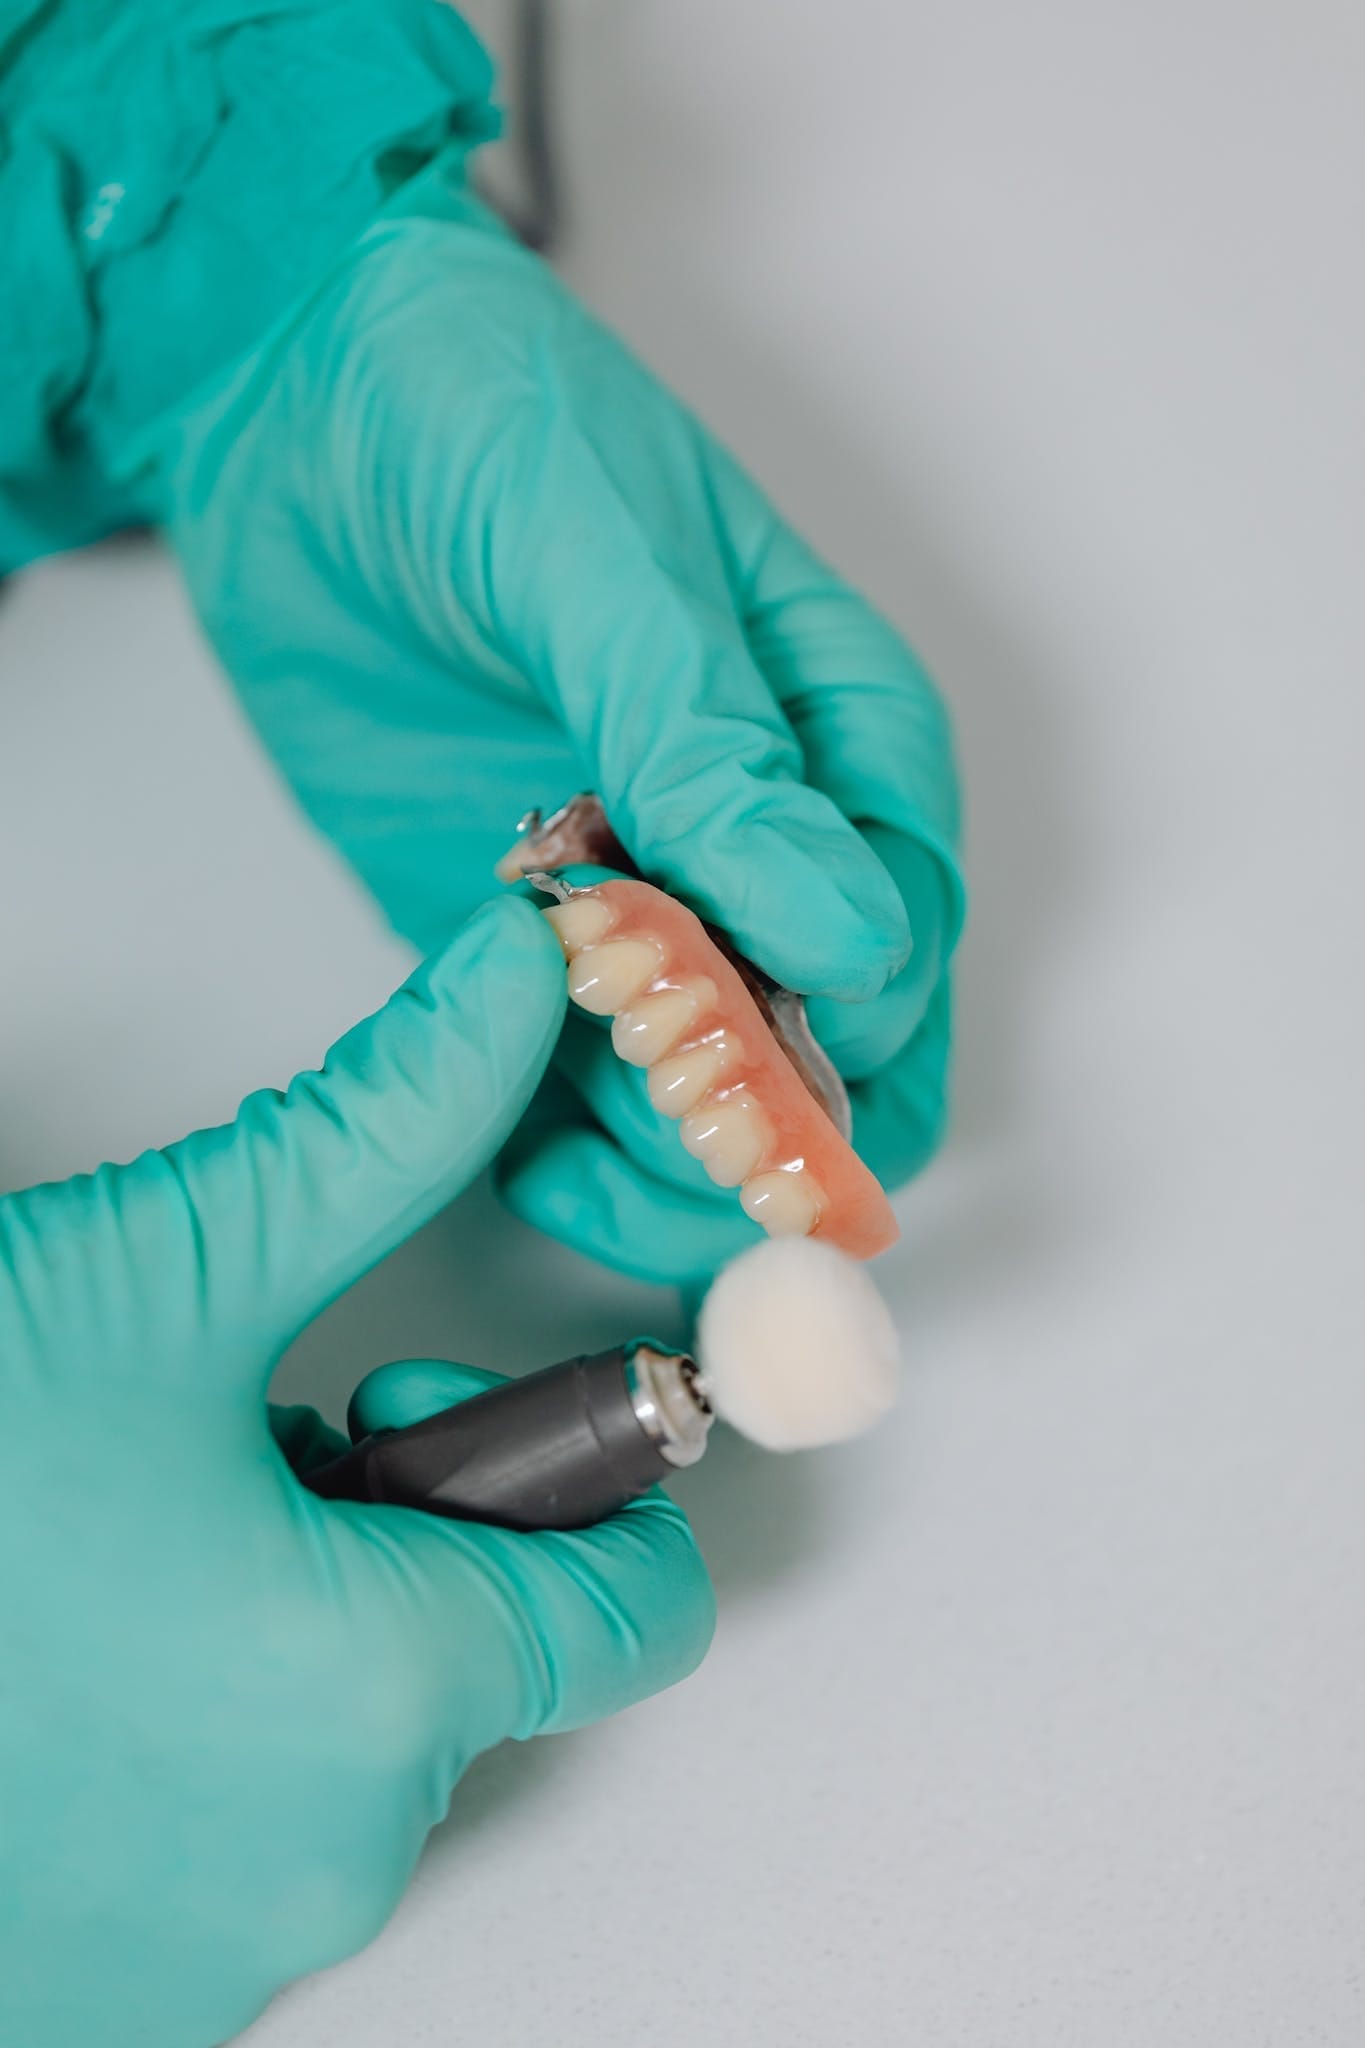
[
  {"x": 643, "y": 1033},
  {"x": 786, "y": 1204},
  {"x": 604, "y": 978},
  {"x": 729, "y": 1137},
  {"x": 677, "y": 1085},
  {"x": 580, "y": 922}
]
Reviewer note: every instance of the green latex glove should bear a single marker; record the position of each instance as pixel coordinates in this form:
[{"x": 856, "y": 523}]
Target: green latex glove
[
  {"x": 230, "y": 1712},
  {"x": 459, "y": 552}
]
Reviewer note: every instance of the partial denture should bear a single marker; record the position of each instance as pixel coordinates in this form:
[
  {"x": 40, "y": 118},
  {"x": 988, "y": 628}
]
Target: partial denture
[{"x": 683, "y": 1012}]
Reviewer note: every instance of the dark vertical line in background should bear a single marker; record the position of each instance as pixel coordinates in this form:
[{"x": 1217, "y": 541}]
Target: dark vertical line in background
[{"x": 540, "y": 222}]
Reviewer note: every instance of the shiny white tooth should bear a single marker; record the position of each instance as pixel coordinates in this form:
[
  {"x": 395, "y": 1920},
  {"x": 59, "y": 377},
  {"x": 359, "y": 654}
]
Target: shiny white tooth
[
  {"x": 643, "y": 1033},
  {"x": 580, "y": 922},
  {"x": 604, "y": 978},
  {"x": 729, "y": 1138},
  {"x": 786, "y": 1204},
  {"x": 677, "y": 1085}
]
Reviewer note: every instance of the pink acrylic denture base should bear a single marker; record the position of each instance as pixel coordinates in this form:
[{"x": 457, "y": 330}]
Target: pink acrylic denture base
[{"x": 854, "y": 1212}]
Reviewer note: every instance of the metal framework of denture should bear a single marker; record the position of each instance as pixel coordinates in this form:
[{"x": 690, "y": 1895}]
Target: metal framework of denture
[{"x": 725, "y": 1054}]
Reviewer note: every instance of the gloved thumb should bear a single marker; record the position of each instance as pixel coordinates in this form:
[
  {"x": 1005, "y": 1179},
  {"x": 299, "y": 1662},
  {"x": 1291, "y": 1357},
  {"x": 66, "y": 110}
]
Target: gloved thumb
[
  {"x": 395, "y": 1396},
  {"x": 233, "y": 1239},
  {"x": 309, "y": 1189}
]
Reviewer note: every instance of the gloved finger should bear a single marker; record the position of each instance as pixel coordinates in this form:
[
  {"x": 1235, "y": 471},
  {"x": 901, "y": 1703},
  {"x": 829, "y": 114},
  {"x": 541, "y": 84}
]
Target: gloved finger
[
  {"x": 494, "y": 1633},
  {"x": 862, "y": 1037},
  {"x": 409, "y": 1390},
  {"x": 305, "y": 1439},
  {"x": 873, "y": 730},
  {"x": 405, "y": 1111},
  {"x": 589, "y": 1622},
  {"x": 899, "y": 1113},
  {"x": 562, "y": 1174},
  {"x": 239, "y": 1236},
  {"x": 626, "y": 620}
]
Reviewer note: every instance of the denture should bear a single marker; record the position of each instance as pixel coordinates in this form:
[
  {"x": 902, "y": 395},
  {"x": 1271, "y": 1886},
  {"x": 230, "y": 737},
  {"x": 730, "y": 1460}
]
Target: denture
[{"x": 727, "y": 1057}]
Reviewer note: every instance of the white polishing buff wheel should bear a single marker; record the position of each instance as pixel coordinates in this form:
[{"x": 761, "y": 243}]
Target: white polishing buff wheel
[{"x": 796, "y": 1346}]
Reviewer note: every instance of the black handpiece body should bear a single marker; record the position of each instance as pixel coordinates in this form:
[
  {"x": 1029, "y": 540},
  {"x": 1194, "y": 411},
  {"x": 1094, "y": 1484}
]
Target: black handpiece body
[{"x": 559, "y": 1449}]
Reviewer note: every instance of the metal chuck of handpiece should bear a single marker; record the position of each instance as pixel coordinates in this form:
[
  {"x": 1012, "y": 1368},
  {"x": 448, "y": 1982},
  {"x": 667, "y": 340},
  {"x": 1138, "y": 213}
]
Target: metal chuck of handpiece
[{"x": 559, "y": 1449}]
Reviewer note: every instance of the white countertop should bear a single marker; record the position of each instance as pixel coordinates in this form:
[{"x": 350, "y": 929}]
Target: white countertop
[{"x": 1037, "y": 1719}]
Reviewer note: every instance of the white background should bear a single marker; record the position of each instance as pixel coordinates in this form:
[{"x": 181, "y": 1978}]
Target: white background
[{"x": 1039, "y": 1719}]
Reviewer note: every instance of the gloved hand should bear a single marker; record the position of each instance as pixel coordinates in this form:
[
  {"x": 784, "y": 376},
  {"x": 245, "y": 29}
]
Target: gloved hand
[
  {"x": 461, "y": 554},
  {"x": 229, "y": 1711}
]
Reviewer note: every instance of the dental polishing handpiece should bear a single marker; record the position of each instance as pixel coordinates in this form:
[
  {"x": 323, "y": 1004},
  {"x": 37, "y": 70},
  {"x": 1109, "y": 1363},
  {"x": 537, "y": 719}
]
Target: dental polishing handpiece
[{"x": 560, "y": 1449}]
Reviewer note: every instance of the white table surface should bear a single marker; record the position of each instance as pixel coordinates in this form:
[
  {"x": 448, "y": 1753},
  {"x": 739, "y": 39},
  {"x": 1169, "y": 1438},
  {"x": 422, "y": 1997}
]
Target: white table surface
[{"x": 1040, "y": 1718}]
